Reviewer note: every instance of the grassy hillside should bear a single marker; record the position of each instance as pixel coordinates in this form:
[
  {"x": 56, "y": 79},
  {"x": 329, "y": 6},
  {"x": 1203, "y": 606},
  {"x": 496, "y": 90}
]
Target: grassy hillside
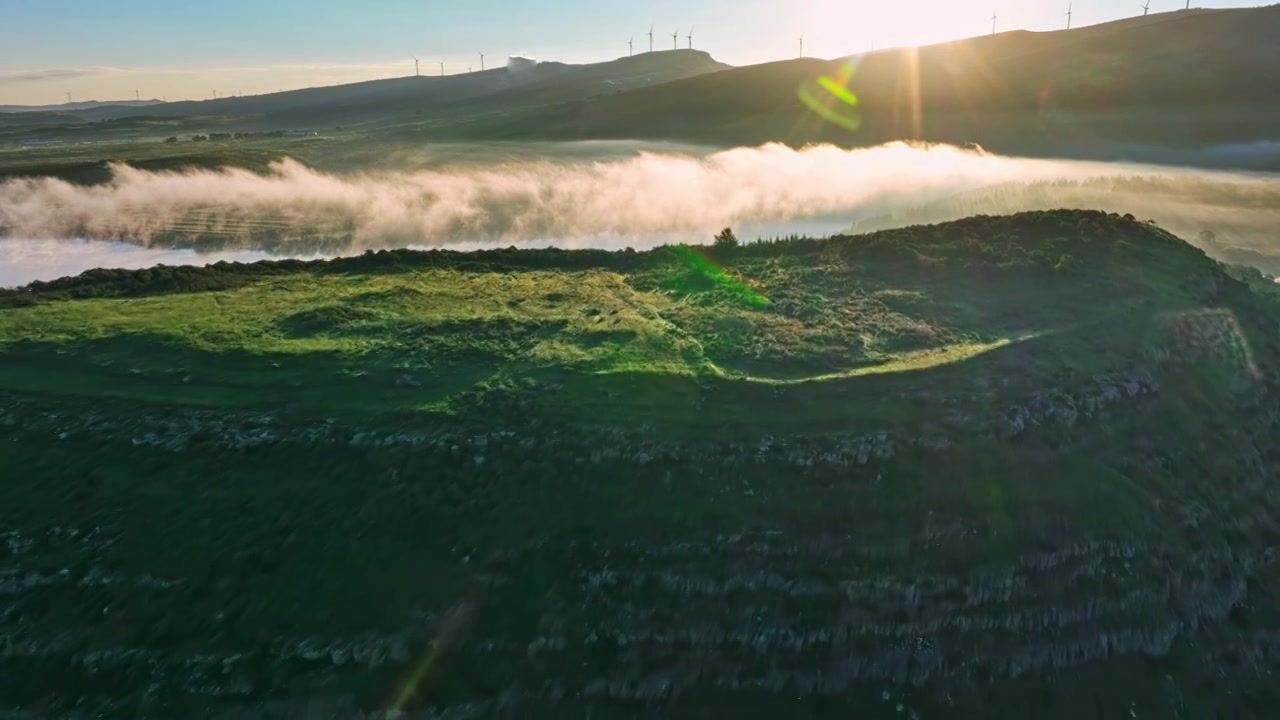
[
  {"x": 430, "y": 98},
  {"x": 989, "y": 468},
  {"x": 1184, "y": 78},
  {"x": 1191, "y": 77},
  {"x": 1232, "y": 221},
  {"x": 1187, "y": 79}
]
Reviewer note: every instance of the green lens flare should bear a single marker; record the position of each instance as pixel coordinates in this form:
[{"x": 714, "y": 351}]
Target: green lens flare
[
  {"x": 835, "y": 88},
  {"x": 706, "y": 267},
  {"x": 831, "y": 98}
]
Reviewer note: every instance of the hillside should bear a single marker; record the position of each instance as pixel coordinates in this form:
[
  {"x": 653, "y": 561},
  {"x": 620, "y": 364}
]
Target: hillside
[
  {"x": 1195, "y": 88},
  {"x": 1183, "y": 78},
  {"x": 999, "y": 467},
  {"x": 428, "y": 96},
  {"x": 78, "y": 106},
  {"x": 1234, "y": 222}
]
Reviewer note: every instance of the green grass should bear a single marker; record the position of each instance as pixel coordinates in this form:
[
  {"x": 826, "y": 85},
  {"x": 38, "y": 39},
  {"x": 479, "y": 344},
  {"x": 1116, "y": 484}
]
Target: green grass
[
  {"x": 806, "y": 316},
  {"x": 450, "y": 445}
]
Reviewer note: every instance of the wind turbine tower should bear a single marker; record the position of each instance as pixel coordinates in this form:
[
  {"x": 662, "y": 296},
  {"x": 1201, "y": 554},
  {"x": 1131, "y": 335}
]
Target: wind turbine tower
[
  {"x": 631, "y": 46},
  {"x": 689, "y": 37},
  {"x": 415, "y": 66},
  {"x": 1147, "y": 8},
  {"x": 650, "y": 38},
  {"x": 68, "y": 98},
  {"x": 1070, "y": 7},
  {"x": 802, "y": 46},
  {"x": 993, "y": 22},
  {"x": 675, "y": 39},
  {"x": 481, "y": 62},
  {"x": 441, "y": 68},
  {"x": 137, "y": 96}
]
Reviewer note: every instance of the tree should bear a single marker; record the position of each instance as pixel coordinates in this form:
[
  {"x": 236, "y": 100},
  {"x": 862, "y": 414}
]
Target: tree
[
  {"x": 172, "y": 139},
  {"x": 726, "y": 239},
  {"x": 1207, "y": 237}
]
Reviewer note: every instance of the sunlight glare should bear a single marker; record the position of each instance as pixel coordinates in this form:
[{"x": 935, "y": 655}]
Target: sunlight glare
[{"x": 837, "y": 29}]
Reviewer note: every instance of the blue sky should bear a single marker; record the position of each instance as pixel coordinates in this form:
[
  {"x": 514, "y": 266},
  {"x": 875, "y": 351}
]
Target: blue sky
[{"x": 106, "y": 49}]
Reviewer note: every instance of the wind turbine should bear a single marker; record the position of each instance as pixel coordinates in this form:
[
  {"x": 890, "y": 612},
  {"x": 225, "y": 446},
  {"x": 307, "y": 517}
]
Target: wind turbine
[
  {"x": 441, "y": 68},
  {"x": 993, "y": 22},
  {"x": 1070, "y": 6},
  {"x": 801, "y": 45},
  {"x": 481, "y": 62},
  {"x": 68, "y": 98},
  {"x": 630, "y": 43},
  {"x": 650, "y": 38},
  {"x": 137, "y": 96},
  {"x": 675, "y": 39},
  {"x": 1147, "y": 8},
  {"x": 415, "y": 66},
  {"x": 689, "y": 37}
]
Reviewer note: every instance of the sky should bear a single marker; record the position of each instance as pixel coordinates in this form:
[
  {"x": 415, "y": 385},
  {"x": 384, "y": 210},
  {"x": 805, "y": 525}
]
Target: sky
[{"x": 177, "y": 49}]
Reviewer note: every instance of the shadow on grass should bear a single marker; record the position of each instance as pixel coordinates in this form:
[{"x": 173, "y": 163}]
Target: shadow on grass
[
  {"x": 154, "y": 369},
  {"x": 476, "y": 376},
  {"x": 909, "y": 391}
]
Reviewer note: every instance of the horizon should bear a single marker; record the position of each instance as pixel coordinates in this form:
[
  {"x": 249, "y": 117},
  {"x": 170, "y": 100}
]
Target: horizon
[{"x": 136, "y": 56}]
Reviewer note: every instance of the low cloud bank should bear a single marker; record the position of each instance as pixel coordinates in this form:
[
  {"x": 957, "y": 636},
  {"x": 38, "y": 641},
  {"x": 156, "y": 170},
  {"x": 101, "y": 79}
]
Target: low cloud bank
[{"x": 572, "y": 201}]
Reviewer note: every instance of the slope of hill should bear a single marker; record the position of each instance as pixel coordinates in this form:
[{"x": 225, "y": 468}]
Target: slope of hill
[
  {"x": 1001, "y": 467},
  {"x": 434, "y": 96},
  {"x": 79, "y": 106},
  {"x": 1233, "y": 222},
  {"x": 1187, "y": 77}
]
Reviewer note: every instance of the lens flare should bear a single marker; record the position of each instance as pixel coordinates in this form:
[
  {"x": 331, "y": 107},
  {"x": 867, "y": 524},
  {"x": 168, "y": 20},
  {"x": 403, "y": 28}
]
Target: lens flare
[
  {"x": 422, "y": 671},
  {"x": 1217, "y": 333},
  {"x": 709, "y": 269},
  {"x": 831, "y": 98}
]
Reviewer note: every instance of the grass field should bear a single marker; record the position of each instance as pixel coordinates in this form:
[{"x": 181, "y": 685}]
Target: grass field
[
  {"x": 983, "y": 469},
  {"x": 753, "y": 318}
]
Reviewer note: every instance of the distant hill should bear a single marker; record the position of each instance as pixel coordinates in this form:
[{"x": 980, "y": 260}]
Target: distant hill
[
  {"x": 72, "y": 107},
  {"x": 437, "y": 96},
  {"x": 1182, "y": 77},
  {"x": 1183, "y": 80}
]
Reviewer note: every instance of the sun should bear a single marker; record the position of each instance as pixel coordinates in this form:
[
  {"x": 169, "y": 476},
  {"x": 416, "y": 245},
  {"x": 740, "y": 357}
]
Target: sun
[{"x": 836, "y": 28}]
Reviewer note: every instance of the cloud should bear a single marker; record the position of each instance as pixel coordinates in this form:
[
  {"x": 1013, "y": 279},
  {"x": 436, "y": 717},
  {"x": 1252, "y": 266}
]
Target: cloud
[
  {"x": 651, "y": 194},
  {"x": 48, "y": 85},
  {"x": 604, "y": 195},
  {"x": 29, "y": 76}
]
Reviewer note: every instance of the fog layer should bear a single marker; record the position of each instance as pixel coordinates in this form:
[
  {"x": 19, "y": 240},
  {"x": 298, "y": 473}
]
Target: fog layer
[{"x": 674, "y": 194}]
